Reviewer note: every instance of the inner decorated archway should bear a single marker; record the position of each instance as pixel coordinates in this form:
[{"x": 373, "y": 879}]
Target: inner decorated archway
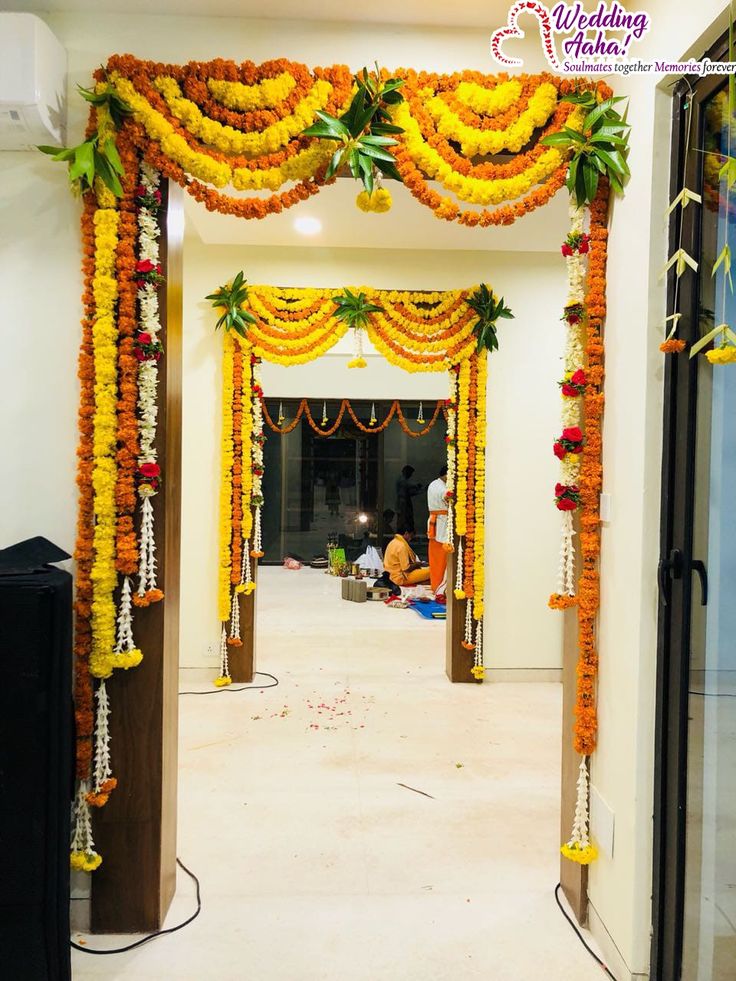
[
  {"x": 477, "y": 149},
  {"x": 416, "y": 331}
]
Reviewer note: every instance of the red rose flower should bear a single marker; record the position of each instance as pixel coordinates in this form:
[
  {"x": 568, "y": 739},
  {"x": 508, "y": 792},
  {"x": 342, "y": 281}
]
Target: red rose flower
[
  {"x": 139, "y": 354},
  {"x": 140, "y": 191},
  {"x": 579, "y": 377},
  {"x": 559, "y": 451},
  {"x": 157, "y": 196},
  {"x": 149, "y": 469},
  {"x": 573, "y": 433},
  {"x": 559, "y": 489},
  {"x": 565, "y": 504},
  {"x": 570, "y": 390},
  {"x": 144, "y": 266},
  {"x": 566, "y": 249},
  {"x": 573, "y": 318},
  {"x": 583, "y": 247},
  {"x": 144, "y": 338}
]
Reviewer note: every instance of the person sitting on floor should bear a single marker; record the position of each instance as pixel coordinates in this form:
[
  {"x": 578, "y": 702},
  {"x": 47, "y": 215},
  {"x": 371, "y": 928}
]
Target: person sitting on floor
[{"x": 400, "y": 560}]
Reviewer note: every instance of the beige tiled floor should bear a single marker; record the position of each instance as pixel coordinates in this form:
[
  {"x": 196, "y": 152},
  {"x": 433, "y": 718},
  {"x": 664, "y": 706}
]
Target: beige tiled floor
[{"x": 315, "y": 864}]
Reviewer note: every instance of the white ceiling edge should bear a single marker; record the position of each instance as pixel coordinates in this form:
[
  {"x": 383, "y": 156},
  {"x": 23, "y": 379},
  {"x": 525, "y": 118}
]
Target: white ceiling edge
[
  {"x": 488, "y": 14},
  {"x": 408, "y": 225}
]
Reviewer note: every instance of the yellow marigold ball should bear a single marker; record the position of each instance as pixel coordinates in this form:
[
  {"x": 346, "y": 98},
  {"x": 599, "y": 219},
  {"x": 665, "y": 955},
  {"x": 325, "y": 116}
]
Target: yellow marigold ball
[
  {"x": 363, "y": 201},
  {"x": 381, "y": 200}
]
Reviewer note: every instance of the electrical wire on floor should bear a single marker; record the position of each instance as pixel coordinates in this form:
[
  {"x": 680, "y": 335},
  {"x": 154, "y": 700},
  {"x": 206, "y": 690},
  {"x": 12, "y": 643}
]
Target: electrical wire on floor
[
  {"x": 581, "y": 938},
  {"x": 219, "y": 691},
  {"x": 157, "y": 933},
  {"x": 195, "y": 914}
]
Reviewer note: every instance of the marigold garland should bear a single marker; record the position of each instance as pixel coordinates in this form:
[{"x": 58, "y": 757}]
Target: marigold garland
[
  {"x": 227, "y": 458},
  {"x": 394, "y": 412},
  {"x": 104, "y": 335},
  {"x": 480, "y": 486},
  {"x": 579, "y": 847},
  {"x": 213, "y": 124},
  {"x": 126, "y": 549},
  {"x": 83, "y": 552}
]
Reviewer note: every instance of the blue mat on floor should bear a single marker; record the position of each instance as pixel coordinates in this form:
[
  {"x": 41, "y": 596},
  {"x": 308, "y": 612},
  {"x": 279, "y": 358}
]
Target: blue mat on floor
[{"x": 427, "y": 610}]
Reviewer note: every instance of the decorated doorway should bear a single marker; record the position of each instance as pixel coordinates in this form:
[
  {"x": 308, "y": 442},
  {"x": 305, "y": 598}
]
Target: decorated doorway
[{"x": 277, "y": 134}]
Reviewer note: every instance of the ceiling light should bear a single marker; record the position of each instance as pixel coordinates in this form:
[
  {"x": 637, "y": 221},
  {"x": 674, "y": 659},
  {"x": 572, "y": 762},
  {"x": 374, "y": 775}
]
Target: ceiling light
[
  {"x": 307, "y": 225},
  {"x": 363, "y": 519}
]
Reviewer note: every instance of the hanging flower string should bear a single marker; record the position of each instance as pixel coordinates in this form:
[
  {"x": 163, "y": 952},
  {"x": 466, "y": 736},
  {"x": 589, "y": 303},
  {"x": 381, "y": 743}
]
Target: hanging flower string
[
  {"x": 104, "y": 781},
  {"x": 84, "y": 857},
  {"x": 568, "y": 446},
  {"x": 578, "y": 847},
  {"x": 258, "y": 440},
  {"x": 148, "y": 351},
  {"x": 451, "y": 410}
]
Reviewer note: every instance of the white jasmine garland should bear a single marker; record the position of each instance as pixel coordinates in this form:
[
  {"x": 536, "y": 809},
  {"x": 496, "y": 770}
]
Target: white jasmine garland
[
  {"x": 571, "y": 411},
  {"x": 149, "y": 322},
  {"x": 451, "y": 462},
  {"x": 103, "y": 767}
]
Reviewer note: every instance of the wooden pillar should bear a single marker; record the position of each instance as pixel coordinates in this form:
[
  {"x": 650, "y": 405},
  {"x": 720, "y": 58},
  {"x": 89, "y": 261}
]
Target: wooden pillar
[
  {"x": 458, "y": 661},
  {"x": 136, "y": 831},
  {"x": 243, "y": 659},
  {"x": 574, "y": 877}
]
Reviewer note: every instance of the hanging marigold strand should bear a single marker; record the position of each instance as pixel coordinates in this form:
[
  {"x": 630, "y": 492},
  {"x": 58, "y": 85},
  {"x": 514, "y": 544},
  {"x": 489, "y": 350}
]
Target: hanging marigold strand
[{"x": 83, "y": 693}]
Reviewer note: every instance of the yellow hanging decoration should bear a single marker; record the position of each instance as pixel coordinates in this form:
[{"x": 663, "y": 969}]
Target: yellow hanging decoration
[{"x": 373, "y": 420}]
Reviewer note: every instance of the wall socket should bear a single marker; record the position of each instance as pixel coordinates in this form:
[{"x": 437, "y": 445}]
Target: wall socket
[{"x": 602, "y": 822}]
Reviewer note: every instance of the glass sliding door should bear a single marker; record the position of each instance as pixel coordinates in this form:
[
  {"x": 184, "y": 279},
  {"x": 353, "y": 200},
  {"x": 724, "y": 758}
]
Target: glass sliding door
[{"x": 694, "y": 936}]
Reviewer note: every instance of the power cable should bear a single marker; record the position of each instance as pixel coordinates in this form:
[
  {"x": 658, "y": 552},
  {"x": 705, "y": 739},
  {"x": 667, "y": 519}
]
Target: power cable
[
  {"x": 581, "y": 938},
  {"x": 157, "y": 933}
]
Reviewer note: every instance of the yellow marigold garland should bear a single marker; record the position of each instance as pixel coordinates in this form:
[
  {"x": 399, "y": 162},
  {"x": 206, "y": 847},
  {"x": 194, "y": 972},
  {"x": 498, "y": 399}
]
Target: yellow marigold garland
[
  {"x": 226, "y": 467},
  {"x": 480, "y": 486},
  {"x": 104, "y": 335},
  {"x": 227, "y": 139},
  {"x": 263, "y": 95},
  {"x": 475, "y": 142},
  {"x": 463, "y": 423},
  {"x": 489, "y": 102}
]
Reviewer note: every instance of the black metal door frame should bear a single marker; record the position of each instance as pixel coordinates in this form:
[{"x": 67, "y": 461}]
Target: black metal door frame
[{"x": 676, "y": 540}]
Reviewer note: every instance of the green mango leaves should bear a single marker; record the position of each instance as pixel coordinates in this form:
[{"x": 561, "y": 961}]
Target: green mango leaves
[
  {"x": 365, "y": 131},
  {"x": 231, "y": 297},
  {"x": 599, "y": 148}
]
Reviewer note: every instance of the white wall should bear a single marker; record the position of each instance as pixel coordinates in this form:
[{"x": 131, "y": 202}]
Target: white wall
[{"x": 522, "y": 525}]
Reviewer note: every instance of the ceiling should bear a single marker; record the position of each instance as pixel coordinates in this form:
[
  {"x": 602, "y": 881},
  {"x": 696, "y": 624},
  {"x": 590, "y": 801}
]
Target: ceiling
[
  {"x": 470, "y": 13},
  {"x": 408, "y": 225}
]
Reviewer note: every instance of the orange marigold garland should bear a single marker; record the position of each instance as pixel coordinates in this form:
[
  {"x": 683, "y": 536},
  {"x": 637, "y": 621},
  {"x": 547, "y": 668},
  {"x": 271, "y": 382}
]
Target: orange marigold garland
[
  {"x": 83, "y": 692},
  {"x": 579, "y": 848}
]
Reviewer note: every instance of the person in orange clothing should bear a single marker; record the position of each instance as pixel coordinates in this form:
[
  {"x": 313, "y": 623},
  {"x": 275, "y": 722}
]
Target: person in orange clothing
[
  {"x": 437, "y": 531},
  {"x": 400, "y": 560}
]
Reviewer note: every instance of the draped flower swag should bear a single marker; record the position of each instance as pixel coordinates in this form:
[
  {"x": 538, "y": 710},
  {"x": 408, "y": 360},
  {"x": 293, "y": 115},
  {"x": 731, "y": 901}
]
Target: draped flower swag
[{"x": 213, "y": 125}]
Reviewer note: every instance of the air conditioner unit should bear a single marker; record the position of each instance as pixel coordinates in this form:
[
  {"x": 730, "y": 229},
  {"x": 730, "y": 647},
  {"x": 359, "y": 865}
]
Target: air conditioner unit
[{"x": 32, "y": 83}]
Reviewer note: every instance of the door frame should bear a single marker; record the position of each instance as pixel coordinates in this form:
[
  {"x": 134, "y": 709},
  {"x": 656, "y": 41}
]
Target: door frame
[{"x": 676, "y": 533}]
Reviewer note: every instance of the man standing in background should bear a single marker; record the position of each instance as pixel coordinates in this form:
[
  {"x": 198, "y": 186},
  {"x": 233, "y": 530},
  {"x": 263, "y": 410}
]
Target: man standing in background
[
  {"x": 437, "y": 531},
  {"x": 405, "y": 490}
]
